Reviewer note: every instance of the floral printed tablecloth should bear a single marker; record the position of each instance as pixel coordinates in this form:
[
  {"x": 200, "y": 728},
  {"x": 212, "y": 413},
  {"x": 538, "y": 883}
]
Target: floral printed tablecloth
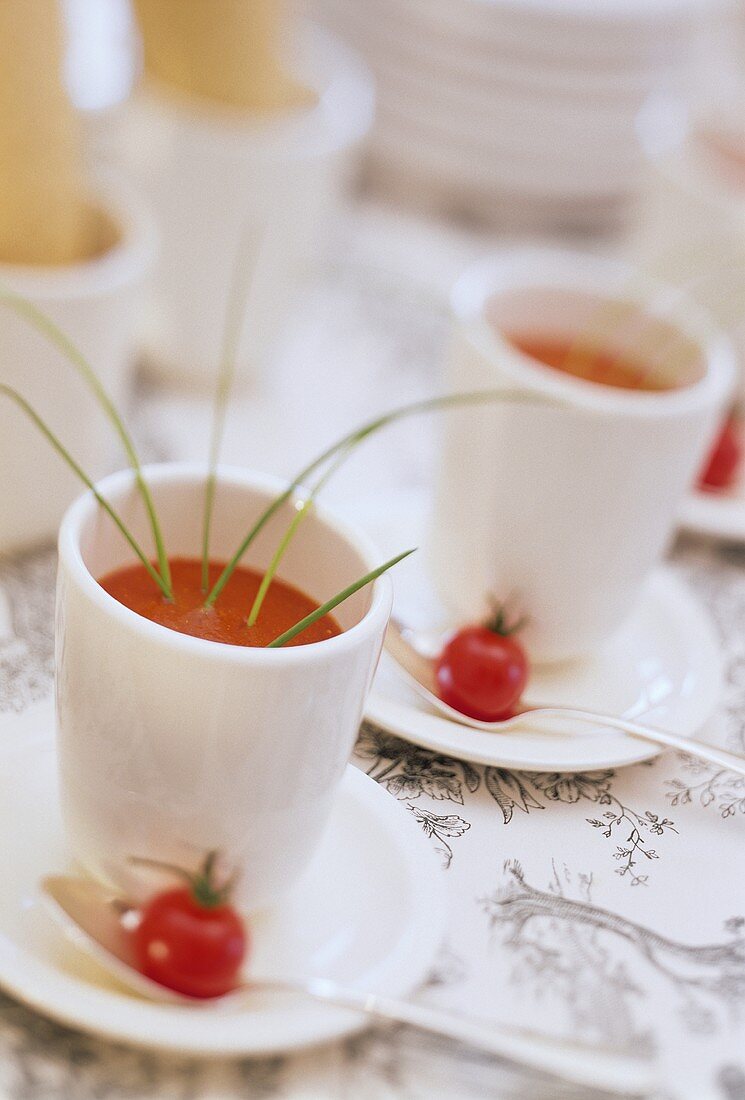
[{"x": 609, "y": 906}]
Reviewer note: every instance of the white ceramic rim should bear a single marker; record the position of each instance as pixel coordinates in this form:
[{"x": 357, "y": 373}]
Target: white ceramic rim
[
  {"x": 122, "y": 264},
  {"x": 494, "y": 176},
  {"x": 508, "y": 152},
  {"x": 598, "y": 13},
  {"x": 517, "y": 120},
  {"x": 82, "y": 510},
  {"x": 402, "y": 160},
  {"x": 434, "y": 49},
  {"x": 465, "y": 88},
  {"x": 595, "y": 43},
  {"x": 341, "y": 116},
  {"x": 549, "y": 269}
]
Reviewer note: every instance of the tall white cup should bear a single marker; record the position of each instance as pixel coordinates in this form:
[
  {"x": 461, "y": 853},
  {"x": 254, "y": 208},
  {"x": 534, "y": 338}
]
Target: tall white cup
[
  {"x": 564, "y": 507},
  {"x": 171, "y": 746}
]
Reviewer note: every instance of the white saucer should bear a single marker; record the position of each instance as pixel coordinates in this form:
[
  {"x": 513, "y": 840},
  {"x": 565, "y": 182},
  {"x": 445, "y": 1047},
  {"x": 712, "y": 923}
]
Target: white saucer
[
  {"x": 717, "y": 515},
  {"x": 369, "y": 913},
  {"x": 662, "y": 667}
]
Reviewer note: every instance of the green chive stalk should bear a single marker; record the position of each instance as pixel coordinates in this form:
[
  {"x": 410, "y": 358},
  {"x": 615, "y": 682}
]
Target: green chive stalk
[
  {"x": 240, "y": 289},
  {"x": 303, "y": 510},
  {"x": 340, "y": 597},
  {"x": 72, "y": 353},
  {"x": 46, "y": 431},
  {"x": 279, "y": 553},
  {"x": 350, "y": 442}
]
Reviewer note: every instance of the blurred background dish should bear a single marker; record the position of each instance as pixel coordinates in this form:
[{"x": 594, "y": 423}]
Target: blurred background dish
[
  {"x": 495, "y": 99},
  {"x": 214, "y": 176},
  {"x": 225, "y": 180}
]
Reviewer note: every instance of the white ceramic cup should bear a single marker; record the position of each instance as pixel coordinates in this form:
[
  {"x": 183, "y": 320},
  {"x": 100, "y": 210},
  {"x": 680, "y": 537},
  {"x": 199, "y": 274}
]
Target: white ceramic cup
[
  {"x": 564, "y": 507},
  {"x": 216, "y": 177},
  {"x": 171, "y": 746},
  {"x": 95, "y": 303}
]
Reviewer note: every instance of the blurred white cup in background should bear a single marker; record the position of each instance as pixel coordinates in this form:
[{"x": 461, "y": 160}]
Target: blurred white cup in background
[
  {"x": 95, "y": 303},
  {"x": 564, "y": 506},
  {"x": 215, "y": 177}
]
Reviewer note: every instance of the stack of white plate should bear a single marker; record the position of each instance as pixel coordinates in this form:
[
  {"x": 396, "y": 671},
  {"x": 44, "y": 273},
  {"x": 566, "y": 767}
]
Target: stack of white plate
[{"x": 514, "y": 109}]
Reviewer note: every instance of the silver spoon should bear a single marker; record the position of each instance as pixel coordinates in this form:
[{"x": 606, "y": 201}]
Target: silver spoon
[
  {"x": 419, "y": 671},
  {"x": 98, "y": 922}
]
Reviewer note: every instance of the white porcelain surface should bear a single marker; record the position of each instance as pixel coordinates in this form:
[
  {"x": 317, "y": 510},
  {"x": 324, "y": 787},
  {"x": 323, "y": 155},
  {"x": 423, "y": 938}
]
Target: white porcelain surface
[
  {"x": 479, "y": 87},
  {"x": 522, "y": 170},
  {"x": 534, "y": 120},
  {"x": 369, "y": 912},
  {"x": 663, "y": 667},
  {"x": 171, "y": 746},
  {"x": 562, "y": 32},
  {"x": 214, "y": 175},
  {"x": 617, "y": 34},
  {"x": 718, "y": 515},
  {"x": 96, "y": 303},
  {"x": 494, "y": 66},
  {"x": 566, "y": 506},
  {"x": 400, "y": 170}
]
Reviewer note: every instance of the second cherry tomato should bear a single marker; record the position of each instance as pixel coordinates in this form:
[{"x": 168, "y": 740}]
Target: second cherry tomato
[
  {"x": 482, "y": 673},
  {"x": 724, "y": 460}
]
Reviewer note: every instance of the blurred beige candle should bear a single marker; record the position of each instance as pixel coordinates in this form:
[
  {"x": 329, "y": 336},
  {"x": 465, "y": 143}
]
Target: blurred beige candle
[
  {"x": 44, "y": 218},
  {"x": 228, "y": 51}
]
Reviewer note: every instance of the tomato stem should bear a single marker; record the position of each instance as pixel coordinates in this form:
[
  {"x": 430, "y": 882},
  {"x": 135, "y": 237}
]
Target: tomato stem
[
  {"x": 205, "y": 890},
  {"x": 498, "y": 623}
]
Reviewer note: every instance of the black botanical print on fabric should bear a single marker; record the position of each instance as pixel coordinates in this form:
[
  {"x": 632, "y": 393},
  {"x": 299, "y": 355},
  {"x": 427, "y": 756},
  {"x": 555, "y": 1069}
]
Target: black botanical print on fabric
[
  {"x": 707, "y": 786},
  {"x": 408, "y": 772},
  {"x": 441, "y": 827},
  {"x": 715, "y": 969}
]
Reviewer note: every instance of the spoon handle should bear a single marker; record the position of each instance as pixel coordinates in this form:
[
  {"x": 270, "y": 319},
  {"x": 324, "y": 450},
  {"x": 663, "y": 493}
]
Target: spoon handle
[
  {"x": 720, "y": 757},
  {"x": 567, "y": 1060}
]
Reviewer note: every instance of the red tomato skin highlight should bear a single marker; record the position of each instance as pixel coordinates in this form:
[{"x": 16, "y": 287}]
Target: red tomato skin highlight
[
  {"x": 724, "y": 460},
  {"x": 481, "y": 673},
  {"x": 188, "y": 947}
]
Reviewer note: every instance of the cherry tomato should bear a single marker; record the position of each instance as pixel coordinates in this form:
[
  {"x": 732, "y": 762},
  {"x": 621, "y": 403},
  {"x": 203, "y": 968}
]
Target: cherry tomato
[
  {"x": 482, "y": 673},
  {"x": 724, "y": 460},
  {"x": 191, "y": 940}
]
